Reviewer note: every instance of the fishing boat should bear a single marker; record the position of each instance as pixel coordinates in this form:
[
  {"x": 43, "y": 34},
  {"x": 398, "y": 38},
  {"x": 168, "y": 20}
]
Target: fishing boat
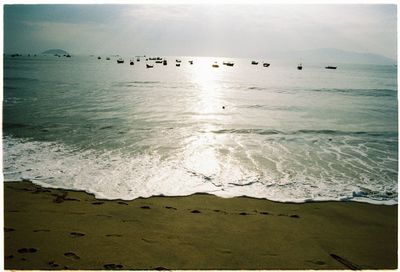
[
  {"x": 98, "y": 57},
  {"x": 300, "y": 67},
  {"x": 266, "y": 64},
  {"x": 331, "y": 67},
  {"x": 178, "y": 61},
  {"x": 131, "y": 62},
  {"x": 254, "y": 62},
  {"x": 178, "y": 64},
  {"x": 164, "y": 62},
  {"x": 159, "y": 61},
  {"x": 108, "y": 58},
  {"x": 215, "y": 65},
  {"x": 120, "y": 60},
  {"x": 191, "y": 62},
  {"x": 149, "y": 66}
]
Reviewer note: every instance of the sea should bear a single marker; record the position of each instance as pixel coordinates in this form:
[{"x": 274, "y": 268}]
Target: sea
[{"x": 122, "y": 131}]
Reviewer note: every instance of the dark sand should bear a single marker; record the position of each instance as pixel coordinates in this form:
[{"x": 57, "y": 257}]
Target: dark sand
[{"x": 58, "y": 229}]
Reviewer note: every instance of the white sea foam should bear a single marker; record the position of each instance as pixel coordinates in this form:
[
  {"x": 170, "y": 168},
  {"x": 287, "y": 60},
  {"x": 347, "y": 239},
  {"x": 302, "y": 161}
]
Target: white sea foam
[{"x": 113, "y": 175}]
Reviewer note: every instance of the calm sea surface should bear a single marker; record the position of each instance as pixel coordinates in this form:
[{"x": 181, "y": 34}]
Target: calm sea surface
[{"x": 122, "y": 131}]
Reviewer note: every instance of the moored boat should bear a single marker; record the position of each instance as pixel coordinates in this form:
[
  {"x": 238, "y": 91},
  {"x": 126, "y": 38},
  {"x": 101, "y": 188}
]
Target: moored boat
[
  {"x": 331, "y": 67},
  {"x": 120, "y": 60},
  {"x": 149, "y": 66},
  {"x": 300, "y": 67},
  {"x": 254, "y": 62},
  {"x": 265, "y": 64}
]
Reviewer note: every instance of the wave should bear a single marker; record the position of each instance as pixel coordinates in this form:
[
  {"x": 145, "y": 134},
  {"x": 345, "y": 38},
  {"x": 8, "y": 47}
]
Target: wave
[
  {"x": 344, "y": 91},
  {"x": 20, "y": 79},
  {"x": 284, "y": 173},
  {"x": 306, "y": 131}
]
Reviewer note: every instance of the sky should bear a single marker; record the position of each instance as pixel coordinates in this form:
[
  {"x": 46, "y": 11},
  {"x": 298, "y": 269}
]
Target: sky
[{"x": 225, "y": 30}]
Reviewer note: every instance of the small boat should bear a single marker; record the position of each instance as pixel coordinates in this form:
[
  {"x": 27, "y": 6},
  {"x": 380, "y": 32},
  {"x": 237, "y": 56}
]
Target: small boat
[
  {"x": 149, "y": 66},
  {"x": 159, "y": 61},
  {"x": 98, "y": 57},
  {"x": 215, "y": 65},
  {"x": 331, "y": 67},
  {"x": 191, "y": 62},
  {"x": 164, "y": 62},
  {"x": 120, "y": 60},
  {"x": 178, "y": 61},
  {"x": 254, "y": 62},
  {"x": 230, "y": 64},
  {"x": 108, "y": 58},
  {"x": 137, "y": 59},
  {"x": 178, "y": 64},
  {"x": 300, "y": 67},
  {"x": 131, "y": 62},
  {"x": 266, "y": 64}
]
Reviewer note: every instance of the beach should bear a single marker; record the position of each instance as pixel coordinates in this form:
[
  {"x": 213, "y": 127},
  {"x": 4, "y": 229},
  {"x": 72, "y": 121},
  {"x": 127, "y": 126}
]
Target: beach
[{"x": 62, "y": 229}]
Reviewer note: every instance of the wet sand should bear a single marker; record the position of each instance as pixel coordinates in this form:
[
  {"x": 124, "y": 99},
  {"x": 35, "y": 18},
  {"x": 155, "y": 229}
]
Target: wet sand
[{"x": 60, "y": 229}]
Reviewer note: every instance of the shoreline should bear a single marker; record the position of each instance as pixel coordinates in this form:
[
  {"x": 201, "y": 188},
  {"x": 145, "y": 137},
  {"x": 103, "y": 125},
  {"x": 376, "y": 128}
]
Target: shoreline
[
  {"x": 344, "y": 200},
  {"x": 47, "y": 228}
]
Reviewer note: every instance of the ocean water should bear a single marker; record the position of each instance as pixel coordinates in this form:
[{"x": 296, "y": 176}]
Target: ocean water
[{"x": 123, "y": 132}]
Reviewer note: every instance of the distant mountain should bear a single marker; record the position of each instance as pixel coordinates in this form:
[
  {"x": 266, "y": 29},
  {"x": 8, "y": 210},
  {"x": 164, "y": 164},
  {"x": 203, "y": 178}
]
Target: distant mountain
[
  {"x": 55, "y": 51},
  {"x": 332, "y": 55}
]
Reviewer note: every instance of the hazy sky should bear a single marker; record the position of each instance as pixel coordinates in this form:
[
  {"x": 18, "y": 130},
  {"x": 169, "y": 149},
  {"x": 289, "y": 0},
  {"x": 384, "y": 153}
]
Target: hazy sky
[{"x": 202, "y": 30}]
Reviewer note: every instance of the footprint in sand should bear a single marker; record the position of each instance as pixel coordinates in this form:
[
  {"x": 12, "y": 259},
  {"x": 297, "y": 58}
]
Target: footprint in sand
[
  {"x": 264, "y": 213},
  {"x": 113, "y": 266},
  {"x": 160, "y": 268},
  {"x": 219, "y": 211},
  {"x": 195, "y": 211},
  {"x": 41, "y": 230},
  {"x": 53, "y": 264},
  {"x": 8, "y": 229},
  {"x": 27, "y": 250},
  {"x": 72, "y": 255},
  {"x": 77, "y": 234}
]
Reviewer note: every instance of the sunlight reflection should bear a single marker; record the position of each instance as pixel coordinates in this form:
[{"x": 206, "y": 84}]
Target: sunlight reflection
[
  {"x": 208, "y": 83},
  {"x": 202, "y": 156}
]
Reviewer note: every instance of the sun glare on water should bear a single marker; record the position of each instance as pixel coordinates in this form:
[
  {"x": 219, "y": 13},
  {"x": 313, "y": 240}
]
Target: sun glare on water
[{"x": 201, "y": 150}]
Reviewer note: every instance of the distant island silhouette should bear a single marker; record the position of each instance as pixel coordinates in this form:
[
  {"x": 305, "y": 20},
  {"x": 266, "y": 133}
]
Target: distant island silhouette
[{"x": 55, "y": 51}]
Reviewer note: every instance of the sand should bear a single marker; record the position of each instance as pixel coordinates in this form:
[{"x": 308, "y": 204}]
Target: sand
[{"x": 60, "y": 229}]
